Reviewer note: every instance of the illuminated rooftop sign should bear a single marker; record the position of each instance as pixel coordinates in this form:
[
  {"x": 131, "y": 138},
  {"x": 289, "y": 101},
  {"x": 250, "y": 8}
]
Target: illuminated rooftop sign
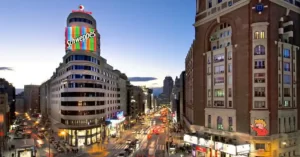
[
  {"x": 81, "y": 10},
  {"x": 81, "y": 38}
]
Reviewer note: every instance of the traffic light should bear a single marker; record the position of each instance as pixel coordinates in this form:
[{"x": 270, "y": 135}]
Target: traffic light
[{"x": 173, "y": 114}]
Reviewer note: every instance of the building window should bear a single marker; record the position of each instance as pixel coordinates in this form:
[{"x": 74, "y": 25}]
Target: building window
[
  {"x": 259, "y": 78},
  {"x": 279, "y": 65},
  {"x": 279, "y": 52},
  {"x": 294, "y": 92},
  {"x": 286, "y": 79},
  {"x": 219, "y": 123},
  {"x": 219, "y": 93},
  {"x": 209, "y": 121},
  {"x": 279, "y": 78},
  {"x": 286, "y": 53},
  {"x": 229, "y": 55},
  {"x": 286, "y": 66},
  {"x": 230, "y": 80},
  {"x": 262, "y": 35},
  {"x": 219, "y": 58},
  {"x": 279, "y": 125},
  {"x": 230, "y": 122},
  {"x": 209, "y": 103},
  {"x": 208, "y": 93},
  {"x": 229, "y": 68},
  {"x": 256, "y": 35},
  {"x": 219, "y": 80},
  {"x": 219, "y": 69},
  {"x": 209, "y": 3},
  {"x": 260, "y": 105},
  {"x": 208, "y": 70},
  {"x": 286, "y": 92},
  {"x": 219, "y": 103},
  {"x": 294, "y": 70},
  {"x": 259, "y": 50},
  {"x": 208, "y": 59},
  {"x": 294, "y": 122},
  {"x": 259, "y": 91},
  {"x": 260, "y": 146},
  {"x": 229, "y": 104},
  {"x": 286, "y": 103},
  {"x": 229, "y": 92},
  {"x": 219, "y": 1},
  {"x": 259, "y": 64}
]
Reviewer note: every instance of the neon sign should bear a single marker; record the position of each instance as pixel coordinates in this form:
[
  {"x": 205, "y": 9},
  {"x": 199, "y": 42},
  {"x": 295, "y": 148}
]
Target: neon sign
[{"x": 81, "y": 38}]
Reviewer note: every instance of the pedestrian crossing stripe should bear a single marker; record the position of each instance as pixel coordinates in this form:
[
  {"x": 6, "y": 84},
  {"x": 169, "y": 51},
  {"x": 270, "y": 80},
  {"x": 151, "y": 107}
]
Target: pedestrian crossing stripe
[
  {"x": 120, "y": 146},
  {"x": 160, "y": 147}
]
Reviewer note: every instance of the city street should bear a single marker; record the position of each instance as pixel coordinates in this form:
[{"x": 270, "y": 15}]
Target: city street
[{"x": 155, "y": 146}]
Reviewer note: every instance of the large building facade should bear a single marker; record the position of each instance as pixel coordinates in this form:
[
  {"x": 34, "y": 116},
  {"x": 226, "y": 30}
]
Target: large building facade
[
  {"x": 32, "y": 98},
  {"x": 135, "y": 101},
  {"x": 10, "y": 90},
  {"x": 167, "y": 88},
  {"x": 87, "y": 96},
  {"x": 44, "y": 91},
  {"x": 241, "y": 77}
]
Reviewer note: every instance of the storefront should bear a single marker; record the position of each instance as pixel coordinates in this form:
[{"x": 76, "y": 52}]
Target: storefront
[
  {"x": 209, "y": 148},
  {"x": 80, "y": 137},
  {"x": 116, "y": 125}
]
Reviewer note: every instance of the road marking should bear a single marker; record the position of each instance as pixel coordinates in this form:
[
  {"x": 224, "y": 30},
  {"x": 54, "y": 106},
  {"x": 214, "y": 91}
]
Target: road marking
[{"x": 119, "y": 146}]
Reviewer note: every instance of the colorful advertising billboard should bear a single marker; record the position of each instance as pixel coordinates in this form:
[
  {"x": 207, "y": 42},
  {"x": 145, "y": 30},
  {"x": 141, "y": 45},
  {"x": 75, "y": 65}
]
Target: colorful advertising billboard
[{"x": 81, "y": 38}]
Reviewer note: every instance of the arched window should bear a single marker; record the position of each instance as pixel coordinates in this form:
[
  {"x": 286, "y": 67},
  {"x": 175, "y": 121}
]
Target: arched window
[
  {"x": 256, "y": 35},
  {"x": 259, "y": 50},
  {"x": 219, "y": 123}
]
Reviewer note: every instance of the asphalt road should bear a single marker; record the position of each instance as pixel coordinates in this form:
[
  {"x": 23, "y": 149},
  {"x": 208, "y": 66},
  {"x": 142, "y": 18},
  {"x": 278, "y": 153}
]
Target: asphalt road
[{"x": 155, "y": 146}]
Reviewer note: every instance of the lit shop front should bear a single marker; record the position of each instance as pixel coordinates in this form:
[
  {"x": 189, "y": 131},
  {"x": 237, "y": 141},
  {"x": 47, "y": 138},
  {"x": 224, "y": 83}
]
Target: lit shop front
[
  {"x": 76, "y": 137},
  {"x": 210, "y": 148},
  {"x": 116, "y": 125}
]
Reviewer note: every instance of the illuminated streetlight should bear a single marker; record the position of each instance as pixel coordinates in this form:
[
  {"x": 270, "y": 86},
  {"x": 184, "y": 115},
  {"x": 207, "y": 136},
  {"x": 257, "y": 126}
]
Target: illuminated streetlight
[{"x": 63, "y": 133}]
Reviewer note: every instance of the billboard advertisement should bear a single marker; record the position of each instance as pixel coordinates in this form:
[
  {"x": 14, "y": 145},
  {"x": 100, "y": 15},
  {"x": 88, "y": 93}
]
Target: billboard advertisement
[{"x": 80, "y": 38}]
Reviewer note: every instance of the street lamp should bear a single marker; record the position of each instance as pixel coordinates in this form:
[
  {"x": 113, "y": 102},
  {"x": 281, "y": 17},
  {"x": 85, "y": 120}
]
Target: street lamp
[{"x": 63, "y": 133}]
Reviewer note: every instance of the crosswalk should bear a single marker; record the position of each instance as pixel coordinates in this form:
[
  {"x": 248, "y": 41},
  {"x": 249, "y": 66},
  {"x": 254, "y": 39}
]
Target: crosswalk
[
  {"x": 160, "y": 147},
  {"x": 119, "y": 146}
]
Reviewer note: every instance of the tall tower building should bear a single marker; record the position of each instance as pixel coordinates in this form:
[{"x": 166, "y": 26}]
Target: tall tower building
[
  {"x": 168, "y": 86},
  {"x": 31, "y": 98},
  {"x": 244, "y": 72},
  {"x": 87, "y": 95}
]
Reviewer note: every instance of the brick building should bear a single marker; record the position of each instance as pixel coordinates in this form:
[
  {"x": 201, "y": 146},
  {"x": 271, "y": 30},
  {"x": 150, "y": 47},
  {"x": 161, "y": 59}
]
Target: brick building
[{"x": 241, "y": 76}]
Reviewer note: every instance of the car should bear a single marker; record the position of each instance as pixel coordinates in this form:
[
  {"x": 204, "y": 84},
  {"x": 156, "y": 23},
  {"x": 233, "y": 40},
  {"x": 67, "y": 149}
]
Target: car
[
  {"x": 128, "y": 141},
  {"x": 121, "y": 155}
]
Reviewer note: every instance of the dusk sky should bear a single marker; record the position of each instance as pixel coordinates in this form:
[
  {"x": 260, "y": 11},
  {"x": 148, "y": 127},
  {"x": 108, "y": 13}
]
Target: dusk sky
[{"x": 142, "y": 38}]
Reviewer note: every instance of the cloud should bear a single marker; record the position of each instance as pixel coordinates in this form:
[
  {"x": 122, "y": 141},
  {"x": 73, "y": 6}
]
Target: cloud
[
  {"x": 141, "y": 79},
  {"x": 6, "y": 68}
]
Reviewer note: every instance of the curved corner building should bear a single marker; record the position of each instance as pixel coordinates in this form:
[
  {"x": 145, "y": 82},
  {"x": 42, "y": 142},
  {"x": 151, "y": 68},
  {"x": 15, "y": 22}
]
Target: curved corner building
[{"x": 86, "y": 92}]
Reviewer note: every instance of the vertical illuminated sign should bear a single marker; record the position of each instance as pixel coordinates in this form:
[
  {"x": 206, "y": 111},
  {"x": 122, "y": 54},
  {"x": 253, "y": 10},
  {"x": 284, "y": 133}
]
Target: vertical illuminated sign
[{"x": 1, "y": 124}]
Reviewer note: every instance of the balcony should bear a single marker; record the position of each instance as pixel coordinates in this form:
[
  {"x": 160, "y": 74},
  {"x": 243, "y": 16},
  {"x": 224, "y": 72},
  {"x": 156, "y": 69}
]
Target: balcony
[{"x": 218, "y": 10}]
